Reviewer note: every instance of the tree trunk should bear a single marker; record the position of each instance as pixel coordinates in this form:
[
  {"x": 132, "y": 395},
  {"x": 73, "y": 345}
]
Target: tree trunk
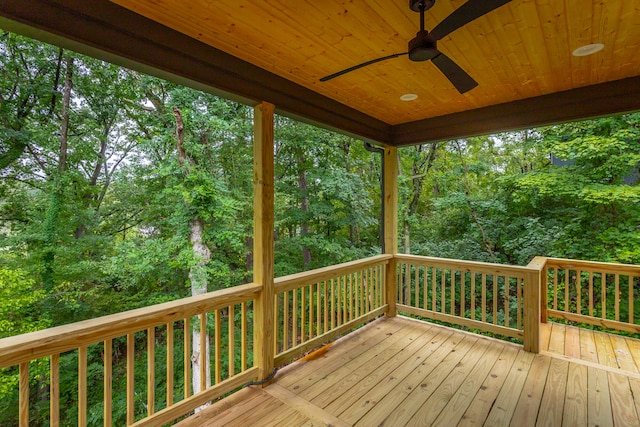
[
  {"x": 64, "y": 126},
  {"x": 249, "y": 259},
  {"x": 198, "y": 272},
  {"x": 199, "y": 279},
  {"x": 465, "y": 180},
  {"x": 406, "y": 236},
  {"x": 304, "y": 207},
  {"x": 421, "y": 166},
  {"x": 50, "y": 224}
]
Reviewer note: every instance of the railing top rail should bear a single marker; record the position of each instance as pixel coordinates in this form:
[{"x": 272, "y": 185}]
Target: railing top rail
[
  {"x": 609, "y": 267},
  {"x": 312, "y": 276},
  {"x": 466, "y": 265},
  {"x": 34, "y": 345}
]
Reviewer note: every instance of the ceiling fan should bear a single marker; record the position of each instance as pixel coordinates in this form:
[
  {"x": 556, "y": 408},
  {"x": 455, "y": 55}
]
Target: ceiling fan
[{"x": 424, "y": 46}]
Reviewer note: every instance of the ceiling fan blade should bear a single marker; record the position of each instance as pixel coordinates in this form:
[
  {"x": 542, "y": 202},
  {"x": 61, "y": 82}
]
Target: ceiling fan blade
[
  {"x": 456, "y": 75},
  {"x": 364, "y": 64},
  {"x": 466, "y": 13}
]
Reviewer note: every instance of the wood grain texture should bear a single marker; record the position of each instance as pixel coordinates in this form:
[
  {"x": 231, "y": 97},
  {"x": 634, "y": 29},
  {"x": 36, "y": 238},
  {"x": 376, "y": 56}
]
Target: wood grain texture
[
  {"x": 263, "y": 246},
  {"x": 520, "y": 50},
  {"x": 399, "y": 371},
  {"x": 520, "y": 54}
]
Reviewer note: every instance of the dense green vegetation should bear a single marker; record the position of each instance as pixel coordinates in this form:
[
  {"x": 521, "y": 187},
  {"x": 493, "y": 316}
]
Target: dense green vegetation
[{"x": 107, "y": 174}]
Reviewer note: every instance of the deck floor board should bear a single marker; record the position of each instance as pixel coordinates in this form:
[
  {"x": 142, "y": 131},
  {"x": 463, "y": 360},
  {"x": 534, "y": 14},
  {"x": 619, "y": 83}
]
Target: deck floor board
[{"x": 400, "y": 371}]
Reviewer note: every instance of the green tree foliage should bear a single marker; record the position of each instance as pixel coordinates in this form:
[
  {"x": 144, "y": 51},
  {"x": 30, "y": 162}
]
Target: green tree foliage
[{"x": 567, "y": 191}]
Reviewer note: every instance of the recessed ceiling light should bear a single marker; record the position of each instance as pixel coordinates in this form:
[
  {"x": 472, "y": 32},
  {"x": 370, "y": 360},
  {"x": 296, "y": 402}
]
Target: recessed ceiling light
[
  {"x": 409, "y": 97},
  {"x": 588, "y": 49}
]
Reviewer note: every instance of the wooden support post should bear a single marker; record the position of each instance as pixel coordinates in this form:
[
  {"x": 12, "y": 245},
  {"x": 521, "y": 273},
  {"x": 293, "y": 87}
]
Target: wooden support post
[
  {"x": 263, "y": 258},
  {"x": 533, "y": 304},
  {"x": 391, "y": 224}
]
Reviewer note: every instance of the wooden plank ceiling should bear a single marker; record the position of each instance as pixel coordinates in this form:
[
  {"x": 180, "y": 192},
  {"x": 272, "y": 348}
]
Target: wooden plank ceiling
[
  {"x": 521, "y": 50},
  {"x": 277, "y": 50}
]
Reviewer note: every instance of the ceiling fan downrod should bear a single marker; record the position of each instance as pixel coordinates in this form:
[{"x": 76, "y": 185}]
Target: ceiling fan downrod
[{"x": 422, "y": 47}]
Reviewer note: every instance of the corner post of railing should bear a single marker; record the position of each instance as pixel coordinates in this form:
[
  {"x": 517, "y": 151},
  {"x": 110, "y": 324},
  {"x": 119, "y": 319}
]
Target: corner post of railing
[
  {"x": 263, "y": 240},
  {"x": 390, "y": 225},
  {"x": 533, "y": 304}
]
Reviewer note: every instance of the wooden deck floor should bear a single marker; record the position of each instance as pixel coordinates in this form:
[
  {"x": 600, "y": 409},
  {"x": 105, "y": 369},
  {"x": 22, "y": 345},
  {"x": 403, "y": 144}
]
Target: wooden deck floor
[
  {"x": 399, "y": 371},
  {"x": 592, "y": 347}
]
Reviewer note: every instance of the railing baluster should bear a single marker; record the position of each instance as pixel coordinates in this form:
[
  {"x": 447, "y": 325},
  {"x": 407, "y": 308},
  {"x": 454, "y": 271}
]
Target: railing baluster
[
  {"x": 416, "y": 287},
  {"x": 334, "y": 303},
  {"x": 151, "y": 371},
  {"x": 463, "y": 293},
  {"x": 342, "y": 306},
  {"x": 617, "y": 297},
  {"x": 578, "y": 292},
  {"x": 424, "y": 287},
  {"x": 484, "y": 296},
  {"x": 170, "y": 357},
  {"x": 452, "y": 297},
  {"x": 285, "y": 322},
  {"x": 363, "y": 292},
  {"x": 303, "y": 314},
  {"x": 311, "y": 311},
  {"x": 630, "y": 320},
  {"x": 377, "y": 287},
  {"x": 405, "y": 284},
  {"x": 566, "y": 289},
  {"x": 366, "y": 290},
  {"x": 399, "y": 282},
  {"x": 325, "y": 305},
  {"x": 82, "y": 386},
  {"x": 519, "y": 314},
  {"x": 217, "y": 332},
  {"x": 108, "y": 382},
  {"x": 187, "y": 357},
  {"x": 243, "y": 339},
  {"x": 355, "y": 296},
  {"x": 294, "y": 338},
  {"x": 319, "y": 311},
  {"x": 603, "y": 291},
  {"x": 495, "y": 280},
  {"x": 507, "y": 288},
  {"x": 203, "y": 352},
  {"x": 130, "y": 379},
  {"x": 591, "y": 295},
  {"x": 54, "y": 390},
  {"x": 443, "y": 298},
  {"x": 24, "y": 395},
  {"x": 473, "y": 295},
  {"x": 555, "y": 288},
  {"x": 231, "y": 336},
  {"x": 434, "y": 289},
  {"x": 276, "y": 322}
]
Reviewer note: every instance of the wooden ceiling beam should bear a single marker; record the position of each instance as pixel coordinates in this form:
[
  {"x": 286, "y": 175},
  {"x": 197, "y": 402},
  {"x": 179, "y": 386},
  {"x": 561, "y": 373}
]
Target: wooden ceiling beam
[
  {"x": 103, "y": 29},
  {"x": 616, "y": 97}
]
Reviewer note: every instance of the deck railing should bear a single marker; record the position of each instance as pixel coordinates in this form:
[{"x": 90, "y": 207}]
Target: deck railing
[
  {"x": 316, "y": 306},
  {"x": 596, "y": 293},
  {"x": 482, "y": 296},
  {"x": 310, "y": 309},
  {"x": 94, "y": 352}
]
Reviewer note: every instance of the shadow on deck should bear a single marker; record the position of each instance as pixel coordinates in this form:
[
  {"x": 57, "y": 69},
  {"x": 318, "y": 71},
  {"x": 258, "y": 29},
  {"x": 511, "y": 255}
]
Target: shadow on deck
[{"x": 399, "y": 371}]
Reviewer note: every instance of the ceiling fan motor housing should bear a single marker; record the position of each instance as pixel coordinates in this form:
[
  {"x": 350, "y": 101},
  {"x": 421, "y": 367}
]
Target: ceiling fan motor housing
[{"x": 422, "y": 47}]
